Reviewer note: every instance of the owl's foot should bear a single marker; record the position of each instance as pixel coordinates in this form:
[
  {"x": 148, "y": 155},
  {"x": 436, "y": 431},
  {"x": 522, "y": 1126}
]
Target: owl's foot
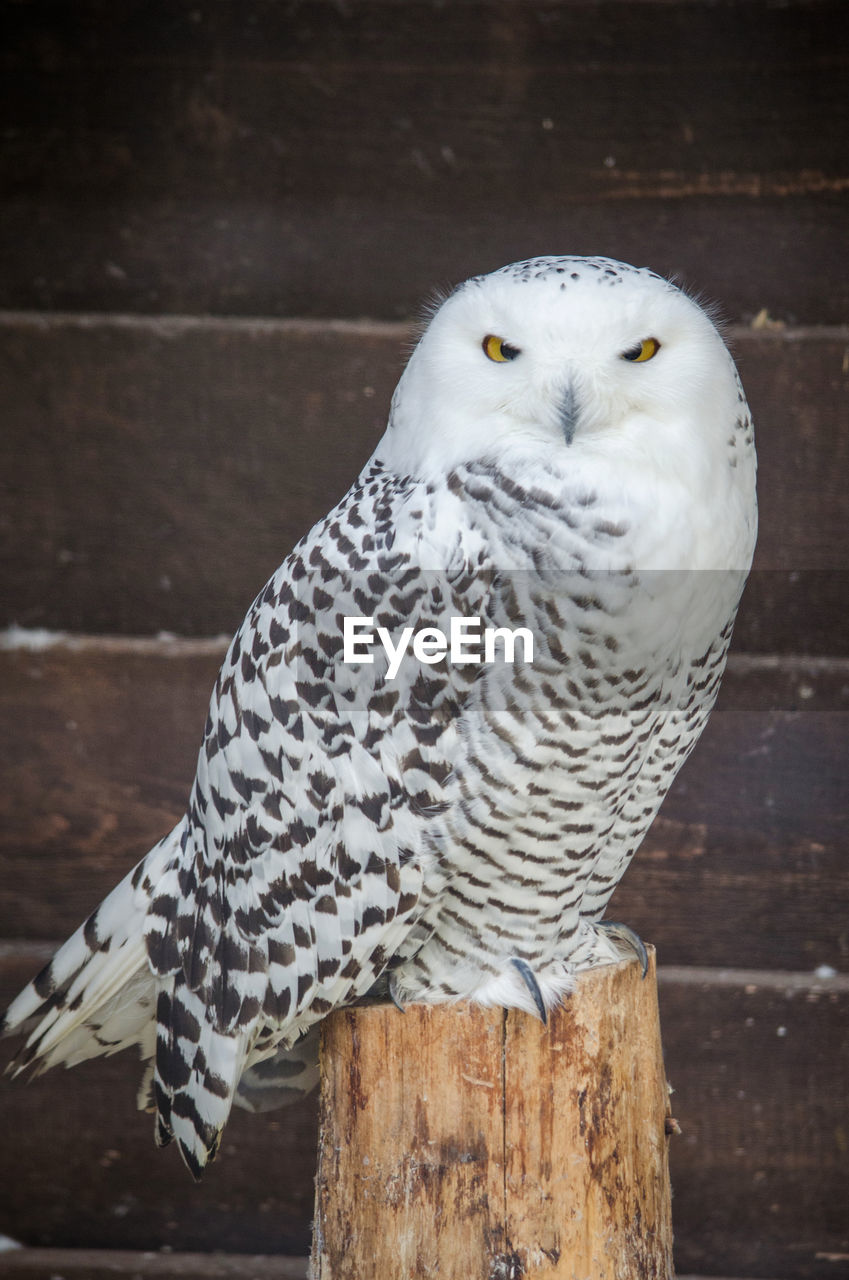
[
  {"x": 384, "y": 991},
  {"x": 393, "y": 994},
  {"x": 622, "y": 933},
  {"x": 526, "y": 973}
]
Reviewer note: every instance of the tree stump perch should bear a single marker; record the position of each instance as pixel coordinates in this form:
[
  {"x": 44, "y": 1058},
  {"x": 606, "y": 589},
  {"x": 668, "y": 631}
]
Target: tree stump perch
[{"x": 477, "y": 1144}]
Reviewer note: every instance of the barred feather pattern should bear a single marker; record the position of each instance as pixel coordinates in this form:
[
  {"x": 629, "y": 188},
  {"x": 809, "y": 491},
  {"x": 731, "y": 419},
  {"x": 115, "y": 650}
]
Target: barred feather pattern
[{"x": 431, "y": 828}]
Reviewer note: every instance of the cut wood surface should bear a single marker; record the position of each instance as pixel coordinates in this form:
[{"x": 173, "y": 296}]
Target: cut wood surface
[
  {"x": 477, "y": 1142},
  {"x": 745, "y": 865},
  {"x": 154, "y": 474},
  {"x": 758, "y": 1064},
  {"x": 342, "y": 160}
]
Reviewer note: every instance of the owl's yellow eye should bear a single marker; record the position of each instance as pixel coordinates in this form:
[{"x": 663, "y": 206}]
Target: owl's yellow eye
[
  {"x": 498, "y": 350},
  {"x": 642, "y": 351}
]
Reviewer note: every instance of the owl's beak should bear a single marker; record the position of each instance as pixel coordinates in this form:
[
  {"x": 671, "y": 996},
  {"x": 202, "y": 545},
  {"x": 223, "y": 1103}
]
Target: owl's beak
[{"x": 568, "y": 410}]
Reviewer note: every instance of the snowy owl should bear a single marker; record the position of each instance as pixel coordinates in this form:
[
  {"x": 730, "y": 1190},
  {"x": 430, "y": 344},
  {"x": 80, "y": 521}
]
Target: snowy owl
[{"x": 448, "y": 720}]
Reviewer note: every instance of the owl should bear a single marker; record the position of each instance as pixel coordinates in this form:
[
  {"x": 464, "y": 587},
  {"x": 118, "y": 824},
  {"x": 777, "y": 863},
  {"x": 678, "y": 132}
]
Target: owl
[{"x": 449, "y": 718}]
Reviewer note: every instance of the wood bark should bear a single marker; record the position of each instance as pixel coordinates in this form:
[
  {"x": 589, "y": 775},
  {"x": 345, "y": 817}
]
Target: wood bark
[{"x": 461, "y": 1141}]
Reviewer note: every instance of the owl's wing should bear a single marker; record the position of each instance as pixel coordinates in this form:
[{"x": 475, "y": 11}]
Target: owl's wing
[{"x": 300, "y": 864}]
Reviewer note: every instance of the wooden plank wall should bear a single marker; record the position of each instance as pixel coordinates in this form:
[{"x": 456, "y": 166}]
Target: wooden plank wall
[{"x": 217, "y": 222}]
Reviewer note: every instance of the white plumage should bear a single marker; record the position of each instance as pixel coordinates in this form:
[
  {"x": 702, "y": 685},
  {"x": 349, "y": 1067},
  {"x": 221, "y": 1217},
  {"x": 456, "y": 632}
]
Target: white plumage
[{"x": 569, "y": 450}]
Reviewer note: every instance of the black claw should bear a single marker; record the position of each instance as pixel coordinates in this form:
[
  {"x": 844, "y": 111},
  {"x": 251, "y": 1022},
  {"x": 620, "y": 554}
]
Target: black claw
[
  {"x": 527, "y": 975},
  {"x": 626, "y": 934},
  {"x": 385, "y": 989},
  {"x": 394, "y": 997}
]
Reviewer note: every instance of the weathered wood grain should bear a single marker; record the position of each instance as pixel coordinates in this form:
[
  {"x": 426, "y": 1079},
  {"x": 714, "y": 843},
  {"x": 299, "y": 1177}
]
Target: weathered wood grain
[
  {"x": 342, "y": 160},
  {"x": 586, "y": 1137},
  {"x": 396, "y": 1181},
  {"x": 153, "y": 474},
  {"x": 758, "y": 1173},
  {"x": 745, "y": 865},
  {"x": 476, "y": 1142}
]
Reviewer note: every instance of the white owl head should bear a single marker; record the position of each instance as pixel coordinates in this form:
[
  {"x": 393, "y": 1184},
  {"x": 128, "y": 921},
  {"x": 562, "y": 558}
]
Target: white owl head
[{"x": 574, "y": 359}]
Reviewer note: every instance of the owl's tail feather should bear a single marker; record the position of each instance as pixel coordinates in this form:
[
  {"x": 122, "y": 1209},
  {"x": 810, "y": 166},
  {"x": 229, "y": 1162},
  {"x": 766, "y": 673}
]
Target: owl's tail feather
[
  {"x": 96, "y": 995},
  {"x": 196, "y": 1073},
  {"x": 100, "y": 994}
]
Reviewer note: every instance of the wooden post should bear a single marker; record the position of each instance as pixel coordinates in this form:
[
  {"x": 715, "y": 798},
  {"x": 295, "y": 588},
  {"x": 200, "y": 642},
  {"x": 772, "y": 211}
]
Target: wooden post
[{"x": 476, "y": 1144}]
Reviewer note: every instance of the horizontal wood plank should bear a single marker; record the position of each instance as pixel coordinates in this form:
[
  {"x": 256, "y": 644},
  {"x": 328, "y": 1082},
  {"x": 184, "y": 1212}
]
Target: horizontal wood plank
[
  {"x": 244, "y": 87},
  {"x": 102, "y": 1264},
  {"x": 167, "y": 477},
  {"x": 377, "y": 258},
  {"x": 98, "y": 754},
  {"x": 342, "y": 160},
  {"x": 759, "y": 1171},
  {"x": 111, "y": 1264},
  {"x": 758, "y": 1070},
  {"x": 98, "y": 748},
  {"x": 155, "y": 472},
  {"x": 79, "y": 1168}
]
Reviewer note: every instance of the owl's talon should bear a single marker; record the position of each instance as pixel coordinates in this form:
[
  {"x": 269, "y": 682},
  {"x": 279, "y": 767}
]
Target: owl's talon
[
  {"x": 382, "y": 991},
  {"x": 624, "y": 933},
  {"x": 393, "y": 995},
  {"x": 527, "y": 975}
]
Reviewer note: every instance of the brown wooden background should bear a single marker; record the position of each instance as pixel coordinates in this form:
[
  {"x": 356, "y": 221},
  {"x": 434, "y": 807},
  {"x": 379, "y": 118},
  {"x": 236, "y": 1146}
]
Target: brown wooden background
[{"x": 216, "y": 223}]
